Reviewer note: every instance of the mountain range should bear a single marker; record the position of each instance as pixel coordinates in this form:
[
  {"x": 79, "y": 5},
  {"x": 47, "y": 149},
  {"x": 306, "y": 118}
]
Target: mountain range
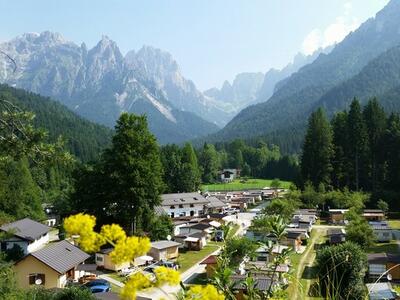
[
  {"x": 252, "y": 88},
  {"x": 100, "y": 83},
  {"x": 363, "y": 65}
]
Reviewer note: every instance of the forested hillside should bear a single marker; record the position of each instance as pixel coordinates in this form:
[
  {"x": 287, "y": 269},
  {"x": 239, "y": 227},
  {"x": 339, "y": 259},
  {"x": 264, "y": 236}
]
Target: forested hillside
[
  {"x": 358, "y": 150},
  {"x": 287, "y": 110},
  {"x": 83, "y": 138}
]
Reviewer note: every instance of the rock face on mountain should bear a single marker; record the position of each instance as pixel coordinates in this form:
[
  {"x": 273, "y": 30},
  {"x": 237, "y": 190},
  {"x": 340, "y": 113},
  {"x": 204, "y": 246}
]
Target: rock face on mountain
[
  {"x": 252, "y": 88},
  {"x": 289, "y": 107},
  {"x": 100, "y": 83},
  {"x": 274, "y": 79},
  {"x": 242, "y": 92}
]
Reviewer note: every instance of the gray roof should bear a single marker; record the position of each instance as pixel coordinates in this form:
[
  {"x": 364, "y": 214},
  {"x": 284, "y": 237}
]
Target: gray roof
[
  {"x": 262, "y": 282},
  {"x": 183, "y": 198},
  {"x": 336, "y": 231},
  {"x": 215, "y": 202},
  {"x": 159, "y": 211},
  {"x": 61, "y": 256},
  {"x": 381, "y": 290},
  {"x": 164, "y": 244},
  {"x": 26, "y": 229}
]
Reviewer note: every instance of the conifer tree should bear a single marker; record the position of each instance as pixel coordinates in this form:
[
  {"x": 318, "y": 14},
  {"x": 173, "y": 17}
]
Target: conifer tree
[
  {"x": 340, "y": 176},
  {"x": 133, "y": 170},
  {"x": 375, "y": 120},
  {"x": 209, "y": 163},
  {"x": 317, "y": 150},
  {"x": 190, "y": 169},
  {"x": 358, "y": 145}
]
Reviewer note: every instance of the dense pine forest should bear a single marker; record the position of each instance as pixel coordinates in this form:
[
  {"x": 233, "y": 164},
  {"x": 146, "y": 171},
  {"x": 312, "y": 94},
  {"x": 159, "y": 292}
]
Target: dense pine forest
[
  {"x": 84, "y": 139},
  {"x": 359, "y": 149}
]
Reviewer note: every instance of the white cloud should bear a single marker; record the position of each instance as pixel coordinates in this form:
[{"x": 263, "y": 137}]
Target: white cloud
[
  {"x": 333, "y": 33},
  {"x": 312, "y": 41}
]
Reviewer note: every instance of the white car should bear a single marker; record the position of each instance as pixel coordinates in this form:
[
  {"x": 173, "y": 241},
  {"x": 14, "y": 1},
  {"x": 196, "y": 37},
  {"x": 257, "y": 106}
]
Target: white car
[
  {"x": 128, "y": 271},
  {"x": 232, "y": 211}
]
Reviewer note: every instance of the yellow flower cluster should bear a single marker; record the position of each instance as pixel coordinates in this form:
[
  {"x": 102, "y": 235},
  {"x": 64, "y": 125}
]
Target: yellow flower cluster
[
  {"x": 129, "y": 248},
  {"x": 79, "y": 224},
  {"x": 125, "y": 250},
  {"x": 166, "y": 276},
  {"x": 82, "y": 226},
  {"x": 113, "y": 233},
  {"x": 200, "y": 292},
  {"x": 135, "y": 283}
]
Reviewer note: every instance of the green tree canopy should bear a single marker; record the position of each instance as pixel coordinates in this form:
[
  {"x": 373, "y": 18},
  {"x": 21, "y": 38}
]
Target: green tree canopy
[
  {"x": 341, "y": 270},
  {"x": 317, "y": 153}
]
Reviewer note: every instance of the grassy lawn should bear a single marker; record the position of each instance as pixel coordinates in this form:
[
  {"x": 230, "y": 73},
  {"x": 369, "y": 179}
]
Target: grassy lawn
[
  {"x": 395, "y": 224},
  {"x": 236, "y": 185},
  {"x": 303, "y": 275},
  {"x": 116, "y": 277},
  {"x": 190, "y": 258},
  {"x": 115, "y": 288},
  {"x": 390, "y": 247}
]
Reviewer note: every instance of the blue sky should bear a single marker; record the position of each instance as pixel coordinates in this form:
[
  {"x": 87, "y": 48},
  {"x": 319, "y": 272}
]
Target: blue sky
[{"x": 212, "y": 40}]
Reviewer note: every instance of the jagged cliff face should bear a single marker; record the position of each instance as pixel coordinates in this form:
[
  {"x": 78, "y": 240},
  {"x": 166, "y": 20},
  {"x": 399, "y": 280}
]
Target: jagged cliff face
[
  {"x": 100, "y": 83},
  {"x": 159, "y": 67}
]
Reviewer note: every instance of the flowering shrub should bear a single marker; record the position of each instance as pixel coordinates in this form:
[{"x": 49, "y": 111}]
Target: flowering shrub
[
  {"x": 200, "y": 292},
  {"x": 81, "y": 228}
]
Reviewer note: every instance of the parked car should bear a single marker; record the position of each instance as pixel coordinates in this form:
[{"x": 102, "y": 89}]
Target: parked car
[
  {"x": 219, "y": 235},
  {"x": 231, "y": 211},
  {"x": 98, "y": 286},
  {"x": 128, "y": 271},
  {"x": 150, "y": 269},
  {"x": 169, "y": 264},
  {"x": 87, "y": 278}
]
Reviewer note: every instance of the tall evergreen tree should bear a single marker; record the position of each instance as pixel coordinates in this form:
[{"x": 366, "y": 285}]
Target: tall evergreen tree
[
  {"x": 172, "y": 164},
  {"x": 392, "y": 153},
  {"x": 317, "y": 150},
  {"x": 190, "y": 169},
  {"x": 209, "y": 163},
  {"x": 375, "y": 120},
  {"x": 128, "y": 178},
  {"x": 358, "y": 145},
  {"x": 340, "y": 176}
]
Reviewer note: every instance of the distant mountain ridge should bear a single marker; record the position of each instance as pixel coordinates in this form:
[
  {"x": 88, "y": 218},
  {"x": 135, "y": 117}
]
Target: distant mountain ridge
[
  {"x": 252, "y": 88},
  {"x": 100, "y": 83},
  {"x": 289, "y": 107}
]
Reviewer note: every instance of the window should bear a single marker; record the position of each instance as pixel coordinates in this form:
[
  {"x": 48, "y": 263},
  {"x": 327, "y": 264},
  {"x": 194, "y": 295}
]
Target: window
[
  {"x": 180, "y": 206},
  {"x": 172, "y": 215},
  {"x": 376, "y": 269},
  {"x": 191, "y": 205},
  {"x": 37, "y": 279},
  {"x": 99, "y": 258},
  {"x": 172, "y": 207},
  {"x": 182, "y": 214},
  {"x": 192, "y": 213}
]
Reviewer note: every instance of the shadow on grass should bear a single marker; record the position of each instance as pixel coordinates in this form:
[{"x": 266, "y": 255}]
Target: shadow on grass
[
  {"x": 309, "y": 273},
  {"x": 388, "y": 247},
  {"x": 197, "y": 278},
  {"x": 314, "y": 290}
]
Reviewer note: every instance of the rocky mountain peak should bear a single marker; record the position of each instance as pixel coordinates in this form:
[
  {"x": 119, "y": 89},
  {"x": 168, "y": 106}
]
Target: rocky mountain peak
[
  {"x": 155, "y": 61},
  {"x": 48, "y": 37}
]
